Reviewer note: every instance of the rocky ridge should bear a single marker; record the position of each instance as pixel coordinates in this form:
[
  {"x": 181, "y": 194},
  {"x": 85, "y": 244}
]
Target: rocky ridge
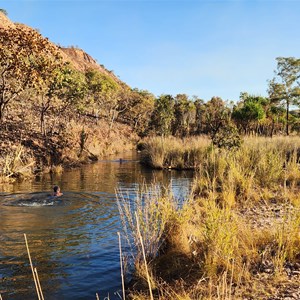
[
  {"x": 5, "y": 21},
  {"x": 77, "y": 57}
]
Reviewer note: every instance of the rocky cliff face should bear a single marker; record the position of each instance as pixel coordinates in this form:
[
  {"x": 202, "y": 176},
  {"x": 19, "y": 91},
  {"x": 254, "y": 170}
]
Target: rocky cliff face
[{"x": 82, "y": 61}]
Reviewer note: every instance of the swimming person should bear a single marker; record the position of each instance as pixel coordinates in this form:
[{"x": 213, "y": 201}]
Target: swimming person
[{"x": 56, "y": 191}]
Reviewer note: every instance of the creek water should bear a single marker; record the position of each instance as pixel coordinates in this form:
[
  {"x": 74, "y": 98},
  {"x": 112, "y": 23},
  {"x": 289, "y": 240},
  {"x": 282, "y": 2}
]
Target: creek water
[{"x": 72, "y": 239}]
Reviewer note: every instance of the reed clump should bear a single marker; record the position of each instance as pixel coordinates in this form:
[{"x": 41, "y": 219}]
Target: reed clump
[
  {"x": 236, "y": 237},
  {"x": 57, "y": 169},
  {"x": 259, "y": 167},
  {"x": 173, "y": 153}
]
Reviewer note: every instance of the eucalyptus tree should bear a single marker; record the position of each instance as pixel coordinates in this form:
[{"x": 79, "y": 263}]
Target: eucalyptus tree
[
  {"x": 27, "y": 61},
  {"x": 184, "y": 115},
  {"x": 163, "y": 115},
  {"x": 284, "y": 87},
  {"x": 136, "y": 109},
  {"x": 199, "y": 115},
  {"x": 103, "y": 95},
  {"x": 249, "y": 112},
  {"x": 216, "y": 115}
]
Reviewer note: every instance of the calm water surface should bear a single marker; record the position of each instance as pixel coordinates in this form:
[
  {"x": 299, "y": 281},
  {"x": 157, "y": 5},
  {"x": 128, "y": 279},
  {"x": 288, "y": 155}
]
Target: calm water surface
[{"x": 73, "y": 239}]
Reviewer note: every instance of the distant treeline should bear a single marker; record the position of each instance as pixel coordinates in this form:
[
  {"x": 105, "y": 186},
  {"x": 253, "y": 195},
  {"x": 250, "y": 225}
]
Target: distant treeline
[{"x": 35, "y": 79}]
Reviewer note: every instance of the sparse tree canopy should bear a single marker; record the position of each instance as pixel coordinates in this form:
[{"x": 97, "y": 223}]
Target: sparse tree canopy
[
  {"x": 27, "y": 60},
  {"x": 249, "y": 111},
  {"x": 137, "y": 109},
  {"x": 163, "y": 115},
  {"x": 184, "y": 115},
  {"x": 284, "y": 87},
  {"x": 216, "y": 115}
]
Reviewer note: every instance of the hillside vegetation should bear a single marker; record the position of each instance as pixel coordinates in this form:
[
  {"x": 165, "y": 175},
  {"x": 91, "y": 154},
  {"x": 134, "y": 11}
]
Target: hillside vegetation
[
  {"x": 58, "y": 107},
  {"x": 237, "y": 237}
]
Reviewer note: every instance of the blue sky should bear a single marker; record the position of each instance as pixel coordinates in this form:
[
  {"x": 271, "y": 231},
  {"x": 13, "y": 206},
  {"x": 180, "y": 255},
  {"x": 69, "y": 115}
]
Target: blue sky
[{"x": 204, "y": 48}]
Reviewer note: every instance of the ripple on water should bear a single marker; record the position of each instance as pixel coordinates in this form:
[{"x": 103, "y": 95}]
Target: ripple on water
[
  {"x": 31, "y": 200},
  {"x": 65, "y": 235},
  {"x": 73, "y": 239}
]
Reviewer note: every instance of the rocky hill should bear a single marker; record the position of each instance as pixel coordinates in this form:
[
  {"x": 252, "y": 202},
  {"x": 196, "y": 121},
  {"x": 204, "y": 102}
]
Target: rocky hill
[
  {"x": 82, "y": 61},
  {"x": 77, "y": 57},
  {"x": 40, "y": 133},
  {"x": 5, "y": 21}
]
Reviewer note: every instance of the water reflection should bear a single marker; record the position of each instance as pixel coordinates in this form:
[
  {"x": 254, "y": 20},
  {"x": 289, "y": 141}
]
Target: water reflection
[{"x": 73, "y": 242}]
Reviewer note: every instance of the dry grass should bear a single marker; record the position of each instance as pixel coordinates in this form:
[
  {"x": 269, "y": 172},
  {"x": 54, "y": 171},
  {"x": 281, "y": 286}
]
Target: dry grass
[
  {"x": 211, "y": 248},
  {"x": 57, "y": 169},
  {"x": 16, "y": 164},
  {"x": 174, "y": 153},
  {"x": 25, "y": 151},
  {"x": 97, "y": 140}
]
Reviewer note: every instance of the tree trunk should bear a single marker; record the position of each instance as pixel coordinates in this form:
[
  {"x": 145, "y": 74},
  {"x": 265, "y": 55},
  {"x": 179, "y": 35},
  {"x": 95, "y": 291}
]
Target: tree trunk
[
  {"x": 42, "y": 122},
  {"x": 272, "y": 128},
  {"x": 287, "y": 117},
  {"x": 1, "y": 112}
]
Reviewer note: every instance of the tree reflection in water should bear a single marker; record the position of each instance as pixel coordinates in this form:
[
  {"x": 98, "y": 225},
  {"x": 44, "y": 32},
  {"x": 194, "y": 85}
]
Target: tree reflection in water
[{"x": 73, "y": 243}]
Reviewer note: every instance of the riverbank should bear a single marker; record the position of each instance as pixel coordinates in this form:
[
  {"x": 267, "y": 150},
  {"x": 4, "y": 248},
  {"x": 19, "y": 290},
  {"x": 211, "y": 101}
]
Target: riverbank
[
  {"x": 237, "y": 237},
  {"x": 26, "y": 152},
  {"x": 60, "y": 108}
]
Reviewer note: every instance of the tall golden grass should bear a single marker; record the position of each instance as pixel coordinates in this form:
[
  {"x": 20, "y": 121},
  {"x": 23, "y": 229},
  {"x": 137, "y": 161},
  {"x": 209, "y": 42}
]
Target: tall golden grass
[
  {"x": 171, "y": 152},
  {"x": 210, "y": 247}
]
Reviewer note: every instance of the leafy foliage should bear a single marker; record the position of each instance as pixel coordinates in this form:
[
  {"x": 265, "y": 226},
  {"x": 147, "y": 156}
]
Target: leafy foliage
[
  {"x": 27, "y": 60},
  {"x": 284, "y": 88},
  {"x": 103, "y": 94},
  {"x": 163, "y": 115},
  {"x": 227, "y": 137},
  {"x": 249, "y": 111},
  {"x": 216, "y": 116},
  {"x": 137, "y": 110},
  {"x": 184, "y": 115}
]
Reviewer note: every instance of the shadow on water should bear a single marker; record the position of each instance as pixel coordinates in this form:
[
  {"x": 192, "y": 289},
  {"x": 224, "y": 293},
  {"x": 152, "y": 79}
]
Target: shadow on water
[{"x": 73, "y": 238}]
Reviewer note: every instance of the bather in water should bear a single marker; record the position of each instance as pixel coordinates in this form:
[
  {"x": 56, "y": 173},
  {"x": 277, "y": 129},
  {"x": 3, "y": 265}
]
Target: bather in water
[{"x": 38, "y": 199}]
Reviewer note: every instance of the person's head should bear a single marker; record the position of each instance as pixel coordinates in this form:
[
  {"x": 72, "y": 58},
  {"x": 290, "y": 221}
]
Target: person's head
[{"x": 56, "y": 189}]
